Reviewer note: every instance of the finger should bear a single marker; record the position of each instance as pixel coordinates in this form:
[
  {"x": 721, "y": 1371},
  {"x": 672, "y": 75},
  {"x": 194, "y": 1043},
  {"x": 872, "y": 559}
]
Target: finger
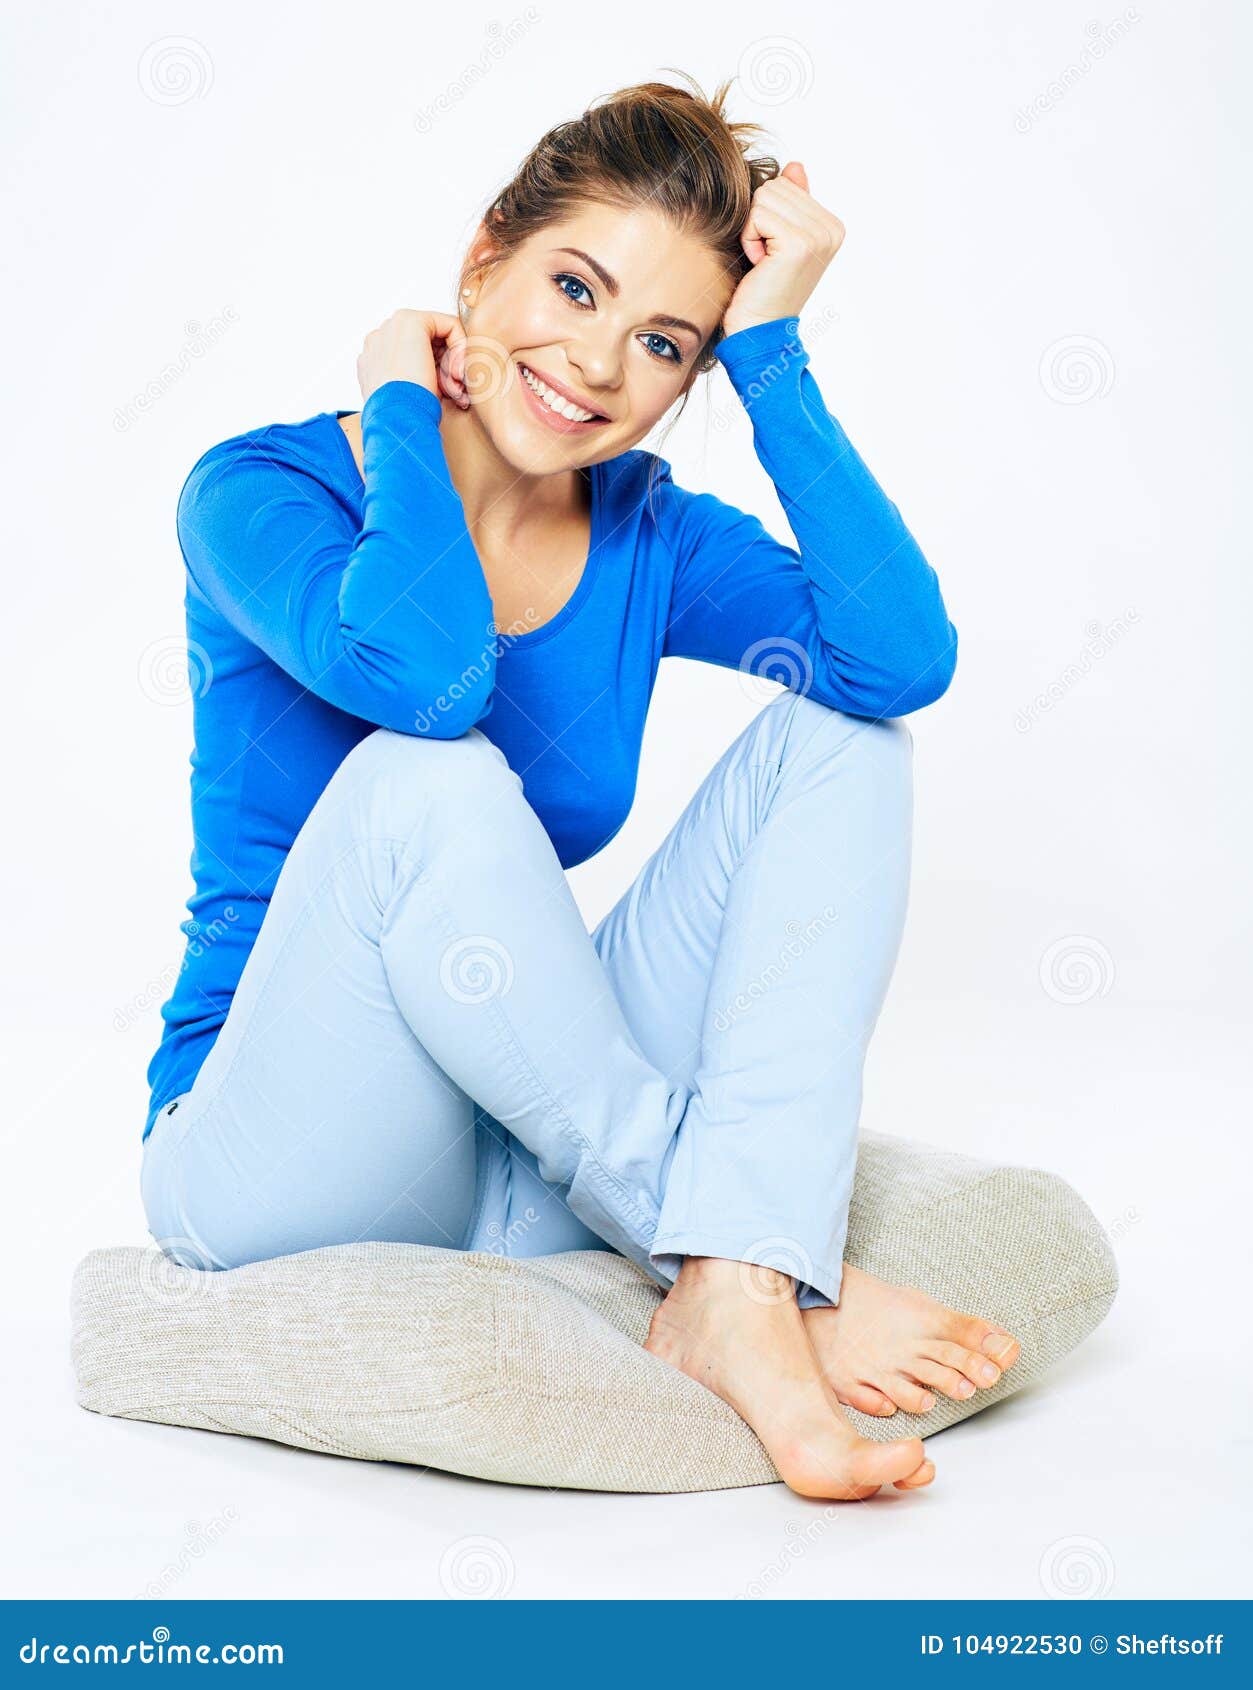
[
  {"x": 442, "y": 323},
  {"x": 452, "y": 363},
  {"x": 787, "y": 221},
  {"x": 789, "y": 189},
  {"x": 752, "y": 237},
  {"x": 461, "y": 342},
  {"x": 800, "y": 211},
  {"x": 767, "y": 221},
  {"x": 444, "y": 379},
  {"x": 823, "y": 225}
]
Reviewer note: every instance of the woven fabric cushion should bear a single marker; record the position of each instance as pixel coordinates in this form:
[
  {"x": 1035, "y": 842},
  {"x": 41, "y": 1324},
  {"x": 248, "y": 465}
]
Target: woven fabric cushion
[{"x": 532, "y": 1371}]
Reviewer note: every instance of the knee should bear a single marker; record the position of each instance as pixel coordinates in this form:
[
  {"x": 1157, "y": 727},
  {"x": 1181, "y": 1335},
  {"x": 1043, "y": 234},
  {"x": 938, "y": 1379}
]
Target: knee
[
  {"x": 880, "y": 750},
  {"x": 407, "y": 778}
]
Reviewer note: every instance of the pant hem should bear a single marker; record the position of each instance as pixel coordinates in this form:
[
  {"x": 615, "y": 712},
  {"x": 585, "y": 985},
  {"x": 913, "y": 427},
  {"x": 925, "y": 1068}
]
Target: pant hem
[{"x": 819, "y": 1289}]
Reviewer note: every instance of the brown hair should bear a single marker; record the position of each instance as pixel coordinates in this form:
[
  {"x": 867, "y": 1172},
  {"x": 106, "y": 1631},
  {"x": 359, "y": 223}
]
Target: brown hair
[{"x": 653, "y": 143}]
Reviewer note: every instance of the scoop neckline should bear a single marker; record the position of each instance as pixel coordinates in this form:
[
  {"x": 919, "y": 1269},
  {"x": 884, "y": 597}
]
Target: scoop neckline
[{"x": 591, "y": 566}]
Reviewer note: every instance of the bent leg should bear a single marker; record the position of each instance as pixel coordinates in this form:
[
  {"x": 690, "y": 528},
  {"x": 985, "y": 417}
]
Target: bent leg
[
  {"x": 751, "y": 956},
  {"x": 317, "y": 1118},
  {"x": 422, "y": 950}
]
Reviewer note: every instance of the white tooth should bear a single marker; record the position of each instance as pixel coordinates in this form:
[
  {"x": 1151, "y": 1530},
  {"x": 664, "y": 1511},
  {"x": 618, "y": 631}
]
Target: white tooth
[{"x": 563, "y": 407}]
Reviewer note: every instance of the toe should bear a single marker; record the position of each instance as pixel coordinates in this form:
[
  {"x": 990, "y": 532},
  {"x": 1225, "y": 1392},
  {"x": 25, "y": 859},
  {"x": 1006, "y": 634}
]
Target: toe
[
  {"x": 923, "y": 1476},
  {"x": 854, "y": 1472},
  {"x": 901, "y": 1458},
  {"x": 984, "y": 1338},
  {"x": 1002, "y": 1347},
  {"x": 972, "y": 1363},
  {"x": 907, "y": 1393},
  {"x": 946, "y": 1379},
  {"x": 866, "y": 1398},
  {"x": 969, "y": 1331}
]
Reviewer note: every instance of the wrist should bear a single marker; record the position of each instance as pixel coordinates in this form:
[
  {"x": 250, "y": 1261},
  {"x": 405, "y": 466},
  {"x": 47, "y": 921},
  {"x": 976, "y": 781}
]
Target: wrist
[
  {"x": 750, "y": 337},
  {"x": 402, "y": 391}
]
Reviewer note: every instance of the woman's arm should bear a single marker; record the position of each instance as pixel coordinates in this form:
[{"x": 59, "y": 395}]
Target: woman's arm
[
  {"x": 384, "y": 626},
  {"x": 854, "y": 616}
]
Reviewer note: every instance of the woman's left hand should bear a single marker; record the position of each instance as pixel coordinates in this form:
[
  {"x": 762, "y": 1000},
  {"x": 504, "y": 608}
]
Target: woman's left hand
[{"x": 790, "y": 239}]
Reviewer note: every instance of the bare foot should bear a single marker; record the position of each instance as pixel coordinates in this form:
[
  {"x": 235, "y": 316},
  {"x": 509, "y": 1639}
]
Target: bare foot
[
  {"x": 738, "y": 1331},
  {"x": 886, "y": 1344}
]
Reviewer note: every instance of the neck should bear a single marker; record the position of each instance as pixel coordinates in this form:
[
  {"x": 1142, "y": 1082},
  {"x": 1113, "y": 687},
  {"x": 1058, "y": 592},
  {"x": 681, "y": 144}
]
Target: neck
[{"x": 500, "y": 501}]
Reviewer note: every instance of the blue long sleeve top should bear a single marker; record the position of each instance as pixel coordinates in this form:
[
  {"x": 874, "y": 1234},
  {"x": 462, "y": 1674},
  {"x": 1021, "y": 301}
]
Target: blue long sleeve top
[{"x": 321, "y": 605}]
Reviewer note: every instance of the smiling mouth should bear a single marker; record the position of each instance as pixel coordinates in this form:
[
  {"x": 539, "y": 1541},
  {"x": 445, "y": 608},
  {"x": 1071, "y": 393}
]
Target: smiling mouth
[{"x": 555, "y": 403}]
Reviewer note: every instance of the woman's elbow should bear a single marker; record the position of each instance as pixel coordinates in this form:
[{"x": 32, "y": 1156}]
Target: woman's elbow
[
  {"x": 914, "y": 685},
  {"x": 443, "y": 708},
  {"x": 453, "y": 711},
  {"x": 931, "y": 681}
]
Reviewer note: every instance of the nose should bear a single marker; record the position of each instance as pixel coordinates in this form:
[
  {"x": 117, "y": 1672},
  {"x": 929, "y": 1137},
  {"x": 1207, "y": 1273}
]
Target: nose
[{"x": 598, "y": 367}]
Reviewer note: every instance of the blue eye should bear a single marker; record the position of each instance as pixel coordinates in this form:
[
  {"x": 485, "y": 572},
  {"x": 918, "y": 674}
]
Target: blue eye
[
  {"x": 675, "y": 354},
  {"x": 578, "y": 284},
  {"x": 666, "y": 341}
]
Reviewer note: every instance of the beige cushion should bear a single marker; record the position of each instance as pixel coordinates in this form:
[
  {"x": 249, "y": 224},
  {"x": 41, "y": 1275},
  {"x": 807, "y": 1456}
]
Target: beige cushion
[{"x": 532, "y": 1371}]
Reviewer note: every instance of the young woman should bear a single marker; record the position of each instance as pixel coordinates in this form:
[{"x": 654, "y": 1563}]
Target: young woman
[{"x": 428, "y": 634}]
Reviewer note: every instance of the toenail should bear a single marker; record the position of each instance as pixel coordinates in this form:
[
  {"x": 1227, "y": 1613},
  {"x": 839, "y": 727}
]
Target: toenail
[
  {"x": 989, "y": 1374},
  {"x": 928, "y": 1403},
  {"x": 997, "y": 1344},
  {"x": 964, "y": 1388}
]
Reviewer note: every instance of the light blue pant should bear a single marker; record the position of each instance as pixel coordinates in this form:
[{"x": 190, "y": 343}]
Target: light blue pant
[{"x": 427, "y": 1045}]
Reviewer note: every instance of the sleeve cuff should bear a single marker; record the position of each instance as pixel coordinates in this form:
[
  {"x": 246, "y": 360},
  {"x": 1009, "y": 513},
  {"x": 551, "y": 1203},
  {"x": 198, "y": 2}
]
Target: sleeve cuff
[
  {"x": 755, "y": 346},
  {"x": 399, "y": 400}
]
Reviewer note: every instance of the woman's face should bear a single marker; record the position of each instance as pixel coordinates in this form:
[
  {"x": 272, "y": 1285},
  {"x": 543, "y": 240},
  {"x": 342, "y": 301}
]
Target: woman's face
[{"x": 613, "y": 307}]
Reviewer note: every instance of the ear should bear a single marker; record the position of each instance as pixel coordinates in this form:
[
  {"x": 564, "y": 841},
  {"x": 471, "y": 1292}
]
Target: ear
[{"x": 484, "y": 244}]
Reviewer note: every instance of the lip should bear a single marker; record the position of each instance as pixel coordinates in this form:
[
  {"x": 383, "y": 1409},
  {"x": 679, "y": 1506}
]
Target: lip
[{"x": 562, "y": 425}]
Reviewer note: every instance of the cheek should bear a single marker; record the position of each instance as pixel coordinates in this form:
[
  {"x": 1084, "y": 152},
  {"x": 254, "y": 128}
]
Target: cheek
[
  {"x": 534, "y": 322},
  {"x": 644, "y": 407}
]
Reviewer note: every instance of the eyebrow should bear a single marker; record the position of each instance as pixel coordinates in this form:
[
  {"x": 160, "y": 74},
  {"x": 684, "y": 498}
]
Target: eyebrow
[{"x": 613, "y": 289}]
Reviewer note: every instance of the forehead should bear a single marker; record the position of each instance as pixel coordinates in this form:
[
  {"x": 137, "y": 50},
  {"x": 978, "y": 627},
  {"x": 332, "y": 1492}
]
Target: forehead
[{"x": 656, "y": 265}]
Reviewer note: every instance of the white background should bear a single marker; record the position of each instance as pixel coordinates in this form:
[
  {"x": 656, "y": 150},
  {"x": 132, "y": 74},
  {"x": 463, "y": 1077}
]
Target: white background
[{"x": 1035, "y": 334}]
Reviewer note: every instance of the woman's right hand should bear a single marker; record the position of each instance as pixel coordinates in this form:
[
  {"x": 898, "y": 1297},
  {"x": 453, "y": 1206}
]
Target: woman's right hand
[{"x": 427, "y": 347}]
